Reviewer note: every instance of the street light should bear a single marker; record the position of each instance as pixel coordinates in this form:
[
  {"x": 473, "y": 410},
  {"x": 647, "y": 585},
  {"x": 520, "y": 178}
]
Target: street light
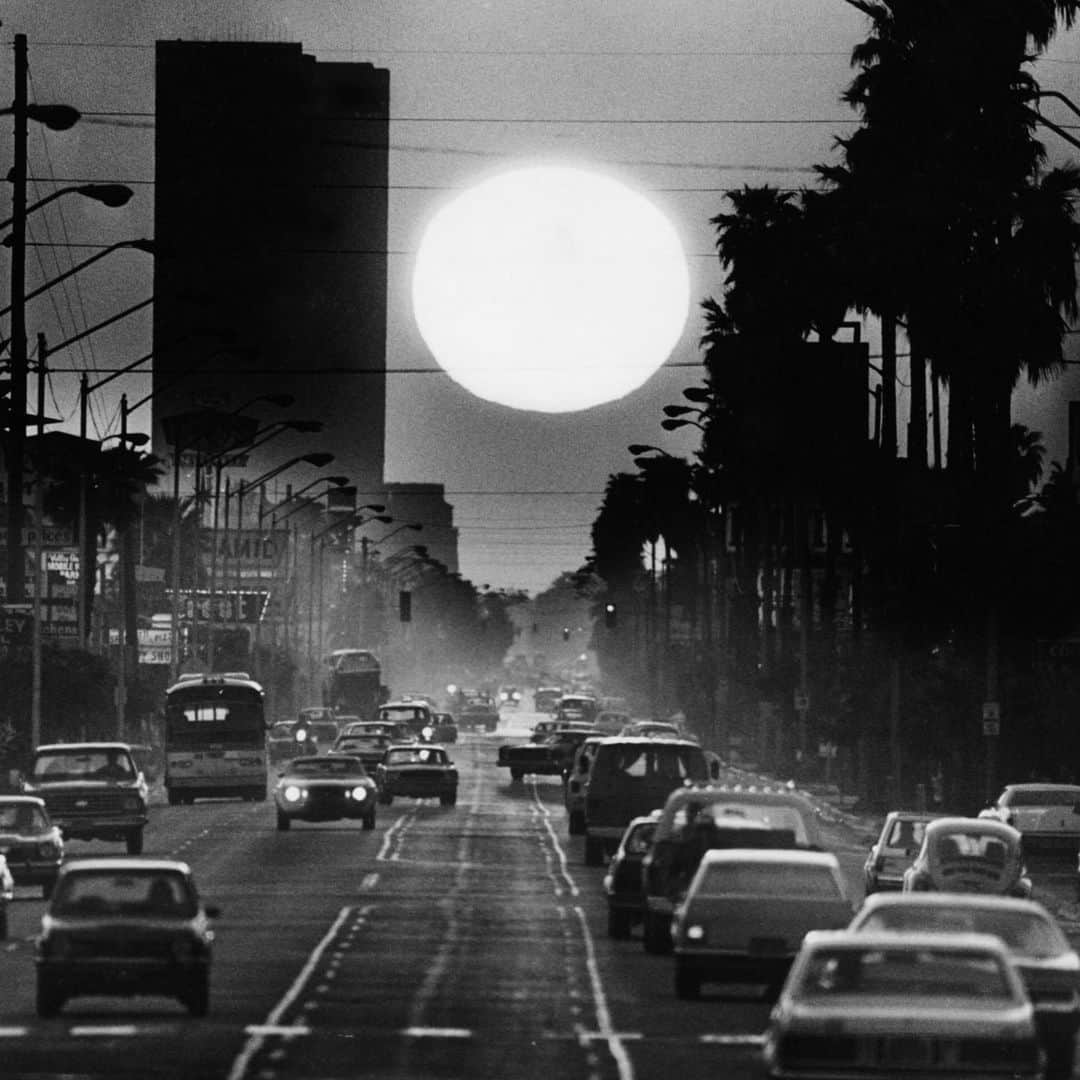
[{"x": 111, "y": 195}]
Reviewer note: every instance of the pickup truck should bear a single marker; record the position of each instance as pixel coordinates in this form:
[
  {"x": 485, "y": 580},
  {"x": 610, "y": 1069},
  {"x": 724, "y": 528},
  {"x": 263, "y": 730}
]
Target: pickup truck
[{"x": 551, "y": 757}]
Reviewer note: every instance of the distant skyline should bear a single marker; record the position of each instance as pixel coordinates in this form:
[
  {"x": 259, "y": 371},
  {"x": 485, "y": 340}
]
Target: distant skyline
[{"x": 682, "y": 101}]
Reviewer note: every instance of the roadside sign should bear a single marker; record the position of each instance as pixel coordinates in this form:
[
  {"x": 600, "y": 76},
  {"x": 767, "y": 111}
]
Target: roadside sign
[
  {"x": 991, "y": 727},
  {"x": 991, "y": 710}
]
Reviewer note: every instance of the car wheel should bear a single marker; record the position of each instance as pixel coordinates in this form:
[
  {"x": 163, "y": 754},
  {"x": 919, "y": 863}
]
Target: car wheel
[
  {"x": 594, "y": 852},
  {"x": 196, "y": 998},
  {"x": 48, "y": 1000},
  {"x": 576, "y": 823},
  {"x": 618, "y": 924},
  {"x": 368, "y": 822},
  {"x": 656, "y": 936},
  {"x": 283, "y": 822},
  {"x": 516, "y": 774},
  {"x": 1060, "y": 1058},
  {"x": 447, "y": 800},
  {"x": 687, "y": 984},
  {"x": 135, "y": 842}
]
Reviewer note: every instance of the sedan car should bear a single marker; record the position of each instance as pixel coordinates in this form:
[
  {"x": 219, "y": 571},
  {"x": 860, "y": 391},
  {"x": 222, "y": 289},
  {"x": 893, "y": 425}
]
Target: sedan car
[
  {"x": 886, "y": 1005},
  {"x": 746, "y": 912},
  {"x": 370, "y": 749},
  {"x": 125, "y": 926},
  {"x": 1048, "y": 964},
  {"x": 325, "y": 788},
  {"x": 895, "y": 850},
  {"x": 7, "y": 894},
  {"x": 30, "y": 842},
  {"x": 1046, "y": 815},
  {"x": 622, "y": 882},
  {"x": 418, "y": 771}
]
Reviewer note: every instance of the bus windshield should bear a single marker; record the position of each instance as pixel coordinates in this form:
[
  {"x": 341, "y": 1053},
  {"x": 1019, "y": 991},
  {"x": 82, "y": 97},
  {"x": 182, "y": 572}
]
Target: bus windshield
[{"x": 214, "y": 714}]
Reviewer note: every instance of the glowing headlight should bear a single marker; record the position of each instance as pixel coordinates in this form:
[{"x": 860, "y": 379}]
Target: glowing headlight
[
  {"x": 48, "y": 849},
  {"x": 301, "y": 735},
  {"x": 293, "y": 793},
  {"x": 427, "y": 733},
  {"x": 695, "y": 932},
  {"x": 359, "y": 794}
]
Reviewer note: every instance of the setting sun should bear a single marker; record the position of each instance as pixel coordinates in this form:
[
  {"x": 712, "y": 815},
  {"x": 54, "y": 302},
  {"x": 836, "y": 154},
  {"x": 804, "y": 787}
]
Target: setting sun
[{"x": 550, "y": 288}]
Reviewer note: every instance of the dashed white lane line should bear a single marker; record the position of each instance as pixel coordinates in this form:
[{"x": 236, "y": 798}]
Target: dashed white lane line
[
  {"x": 369, "y": 882},
  {"x": 13, "y": 1032},
  {"x": 102, "y": 1030},
  {"x": 282, "y": 1031},
  {"x": 436, "y": 1033},
  {"x": 732, "y": 1040}
]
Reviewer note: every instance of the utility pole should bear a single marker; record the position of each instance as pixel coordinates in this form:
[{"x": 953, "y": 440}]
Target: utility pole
[
  {"x": 39, "y": 510},
  {"x": 16, "y": 447}
]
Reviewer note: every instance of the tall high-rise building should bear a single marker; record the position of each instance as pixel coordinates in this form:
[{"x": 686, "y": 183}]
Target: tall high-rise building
[{"x": 271, "y": 231}]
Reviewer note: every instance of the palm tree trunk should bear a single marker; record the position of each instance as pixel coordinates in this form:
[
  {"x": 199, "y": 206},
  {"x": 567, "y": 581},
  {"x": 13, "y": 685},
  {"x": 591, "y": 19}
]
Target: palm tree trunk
[{"x": 888, "y": 384}]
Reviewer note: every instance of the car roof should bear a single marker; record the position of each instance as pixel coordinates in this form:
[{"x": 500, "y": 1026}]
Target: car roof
[
  {"x": 314, "y": 758},
  {"x": 647, "y": 743},
  {"x": 32, "y": 800},
  {"x": 912, "y": 941},
  {"x": 973, "y": 825},
  {"x": 84, "y": 746},
  {"x": 952, "y": 901},
  {"x": 399, "y": 702},
  {"x": 122, "y": 863},
  {"x": 770, "y": 855},
  {"x": 1044, "y": 787}
]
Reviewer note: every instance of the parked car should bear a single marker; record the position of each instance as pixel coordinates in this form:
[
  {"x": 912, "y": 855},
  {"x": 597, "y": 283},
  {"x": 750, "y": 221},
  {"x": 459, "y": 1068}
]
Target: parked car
[
  {"x": 328, "y": 787},
  {"x": 92, "y": 790},
  {"x": 895, "y": 849},
  {"x": 971, "y": 855},
  {"x": 746, "y": 912},
  {"x": 417, "y": 771},
  {"x": 7, "y": 894},
  {"x": 125, "y": 926},
  {"x": 622, "y": 882},
  {"x": 31, "y": 844},
  {"x": 889, "y": 1005},
  {"x": 1045, "y": 815},
  {"x": 1048, "y": 964},
  {"x": 698, "y": 819}
]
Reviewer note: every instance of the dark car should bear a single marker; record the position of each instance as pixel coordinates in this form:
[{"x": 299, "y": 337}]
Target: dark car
[
  {"x": 285, "y": 740},
  {"x": 622, "y": 882},
  {"x": 7, "y": 894},
  {"x": 327, "y": 787},
  {"x": 368, "y": 748},
  {"x": 125, "y": 926},
  {"x": 418, "y": 771},
  {"x": 446, "y": 729},
  {"x": 396, "y": 730},
  {"x": 552, "y": 757},
  {"x": 30, "y": 842}
]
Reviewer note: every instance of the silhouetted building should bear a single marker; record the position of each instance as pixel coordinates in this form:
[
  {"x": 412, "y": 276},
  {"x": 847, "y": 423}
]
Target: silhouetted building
[
  {"x": 271, "y": 232},
  {"x": 423, "y": 504}
]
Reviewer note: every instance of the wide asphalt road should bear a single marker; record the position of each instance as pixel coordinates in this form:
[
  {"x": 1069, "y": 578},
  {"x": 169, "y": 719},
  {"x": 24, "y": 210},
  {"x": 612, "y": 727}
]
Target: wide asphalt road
[{"x": 465, "y": 941}]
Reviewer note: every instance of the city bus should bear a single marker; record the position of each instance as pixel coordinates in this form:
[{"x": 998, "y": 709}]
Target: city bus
[{"x": 215, "y": 738}]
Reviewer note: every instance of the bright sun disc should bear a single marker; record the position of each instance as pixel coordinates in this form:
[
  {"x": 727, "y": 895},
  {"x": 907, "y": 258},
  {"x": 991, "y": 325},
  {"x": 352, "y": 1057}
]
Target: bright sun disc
[{"x": 550, "y": 288}]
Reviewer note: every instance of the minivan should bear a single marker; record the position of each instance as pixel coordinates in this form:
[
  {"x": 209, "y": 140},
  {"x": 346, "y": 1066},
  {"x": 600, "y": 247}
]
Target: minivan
[{"x": 633, "y": 776}]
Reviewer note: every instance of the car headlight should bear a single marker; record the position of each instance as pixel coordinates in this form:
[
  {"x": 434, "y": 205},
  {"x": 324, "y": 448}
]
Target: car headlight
[
  {"x": 426, "y": 734},
  {"x": 695, "y": 932},
  {"x": 301, "y": 735},
  {"x": 49, "y": 849},
  {"x": 132, "y": 804},
  {"x": 359, "y": 794},
  {"x": 293, "y": 794}
]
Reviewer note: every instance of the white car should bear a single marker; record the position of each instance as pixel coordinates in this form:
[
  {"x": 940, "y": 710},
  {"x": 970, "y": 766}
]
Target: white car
[
  {"x": 891, "y": 1005},
  {"x": 7, "y": 893},
  {"x": 1047, "y": 815}
]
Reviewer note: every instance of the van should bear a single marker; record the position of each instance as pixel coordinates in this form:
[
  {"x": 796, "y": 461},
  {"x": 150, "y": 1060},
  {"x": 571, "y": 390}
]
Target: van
[{"x": 630, "y": 777}]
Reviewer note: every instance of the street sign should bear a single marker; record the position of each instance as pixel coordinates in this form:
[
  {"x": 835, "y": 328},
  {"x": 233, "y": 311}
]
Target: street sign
[{"x": 991, "y": 710}]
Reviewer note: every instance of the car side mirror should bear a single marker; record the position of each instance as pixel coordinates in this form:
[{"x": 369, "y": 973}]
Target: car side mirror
[{"x": 212, "y": 911}]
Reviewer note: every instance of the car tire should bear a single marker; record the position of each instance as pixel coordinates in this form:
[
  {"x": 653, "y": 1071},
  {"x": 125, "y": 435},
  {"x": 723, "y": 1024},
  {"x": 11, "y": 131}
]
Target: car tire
[
  {"x": 618, "y": 924},
  {"x": 576, "y": 823},
  {"x": 447, "y": 800},
  {"x": 48, "y": 999},
  {"x": 1060, "y": 1058},
  {"x": 368, "y": 823},
  {"x": 283, "y": 822},
  {"x": 134, "y": 840},
  {"x": 656, "y": 936},
  {"x": 196, "y": 997},
  {"x": 594, "y": 852},
  {"x": 687, "y": 984}
]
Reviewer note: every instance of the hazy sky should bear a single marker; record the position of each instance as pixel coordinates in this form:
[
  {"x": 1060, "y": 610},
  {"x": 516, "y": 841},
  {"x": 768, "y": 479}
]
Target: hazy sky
[{"x": 682, "y": 100}]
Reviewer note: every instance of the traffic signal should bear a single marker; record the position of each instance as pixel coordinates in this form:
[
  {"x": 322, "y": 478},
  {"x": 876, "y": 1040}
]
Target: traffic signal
[
  {"x": 405, "y": 605},
  {"x": 610, "y": 616},
  {"x": 566, "y": 633}
]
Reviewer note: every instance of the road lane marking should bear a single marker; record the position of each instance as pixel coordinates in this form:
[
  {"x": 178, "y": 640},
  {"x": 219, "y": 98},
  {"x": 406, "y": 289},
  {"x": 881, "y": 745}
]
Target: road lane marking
[
  {"x": 564, "y": 868},
  {"x": 732, "y": 1040},
  {"x": 13, "y": 1032},
  {"x": 283, "y": 1031},
  {"x": 255, "y": 1042},
  {"x": 436, "y": 1033},
  {"x": 102, "y": 1030},
  {"x": 607, "y": 1031},
  {"x": 369, "y": 882}
]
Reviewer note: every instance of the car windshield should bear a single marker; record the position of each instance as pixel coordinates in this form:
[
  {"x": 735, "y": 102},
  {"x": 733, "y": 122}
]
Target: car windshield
[
  {"x": 405, "y": 713},
  {"x": 639, "y": 838},
  {"x": 60, "y": 765},
  {"x": 672, "y": 763},
  {"x": 1053, "y": 797},
  {"x": 1026, "y": 933},
  {"x": 769, "y": 879},
  {"x": 905, "y": 972},
  {"x": 324, "y": 732},
  {"x": 124, "y": 892},
  {"x": 327, "y": 766},
  {"x": 25, "y": 819},
  {"x": 418, "y": 755},
  {"x": 728, "y": 813},
  {"x": 906, "y": 833}
]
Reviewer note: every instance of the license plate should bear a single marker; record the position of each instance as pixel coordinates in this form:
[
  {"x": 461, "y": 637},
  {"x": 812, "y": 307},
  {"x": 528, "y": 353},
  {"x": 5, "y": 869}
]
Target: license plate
[
  {"x": 767, "y": 946},
  {"x": 906, "y": 1052}
]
